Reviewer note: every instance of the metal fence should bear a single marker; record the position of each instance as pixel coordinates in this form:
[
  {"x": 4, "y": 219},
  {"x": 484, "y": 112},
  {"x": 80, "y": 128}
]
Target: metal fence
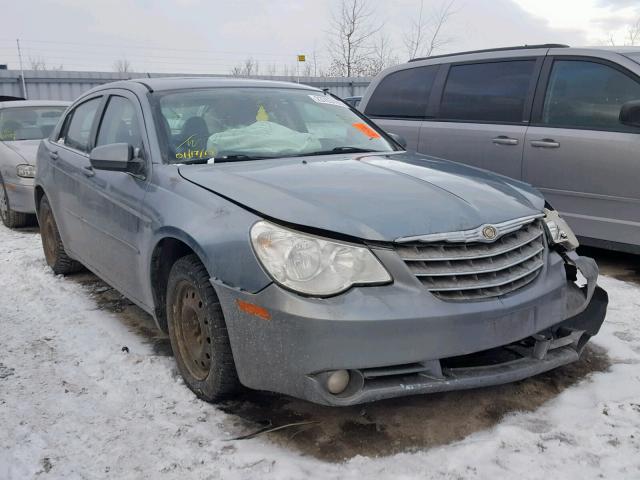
[{"x": 67, "y": 85}]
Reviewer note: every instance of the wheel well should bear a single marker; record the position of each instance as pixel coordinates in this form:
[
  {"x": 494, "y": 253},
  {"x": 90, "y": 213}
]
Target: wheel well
[{"x": 164, "y": 255}]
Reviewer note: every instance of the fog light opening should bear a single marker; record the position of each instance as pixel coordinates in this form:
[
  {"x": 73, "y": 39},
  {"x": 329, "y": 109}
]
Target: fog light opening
[{"x": 338, "y": 381}]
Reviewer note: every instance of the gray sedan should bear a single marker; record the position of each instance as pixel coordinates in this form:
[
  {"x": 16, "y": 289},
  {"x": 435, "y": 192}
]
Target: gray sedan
[
  {"x": 22, "y": 125},
  {"x": 288, "y": 244}
]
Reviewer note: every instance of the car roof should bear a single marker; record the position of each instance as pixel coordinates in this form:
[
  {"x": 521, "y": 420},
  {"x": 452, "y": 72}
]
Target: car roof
[
  {"x": 34, "y": 103},
  {"x": 178, "y": 83},
  {"x": 524, "y": 48}
]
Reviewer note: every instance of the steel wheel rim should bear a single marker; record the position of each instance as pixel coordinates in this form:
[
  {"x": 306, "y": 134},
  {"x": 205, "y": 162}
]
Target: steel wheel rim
[
  {"x": 48, "y": 239},
  {"x": 192, "y": 330}
]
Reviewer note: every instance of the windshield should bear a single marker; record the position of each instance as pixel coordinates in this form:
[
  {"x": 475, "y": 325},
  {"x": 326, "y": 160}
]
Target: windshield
[
  {"x": 250, "y": 123},
  {"x": 28, "y": 123}
]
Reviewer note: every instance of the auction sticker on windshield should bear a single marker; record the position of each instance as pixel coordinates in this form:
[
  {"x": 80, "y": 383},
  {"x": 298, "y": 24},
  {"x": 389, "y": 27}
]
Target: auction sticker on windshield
[{"x": 327, "y": 100}]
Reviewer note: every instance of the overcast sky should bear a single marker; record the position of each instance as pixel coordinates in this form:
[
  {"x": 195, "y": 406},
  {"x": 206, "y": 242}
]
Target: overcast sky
[{"x": 213, "y": 36}]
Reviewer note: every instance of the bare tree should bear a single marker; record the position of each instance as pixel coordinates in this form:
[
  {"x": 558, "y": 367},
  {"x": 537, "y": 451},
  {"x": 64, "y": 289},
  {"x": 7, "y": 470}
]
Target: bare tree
[
  {"x": 246, "y": 69},
  {"x": 271, "y": 70},
  {"x": 39, "y": 63},
  {"x": 633, "y": 34},
  {"x": 352, "y": 29},
  {"x": 123, "y": 66},
  {"x": 425, "y": 34},
  {"x": 251, "y": 67},
  {"x": 383, "y": 55},
  {"x": 631, "y": 39}
]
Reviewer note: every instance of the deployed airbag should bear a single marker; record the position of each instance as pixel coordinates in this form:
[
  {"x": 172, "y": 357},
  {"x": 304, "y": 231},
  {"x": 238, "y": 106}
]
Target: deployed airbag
[{"x": 264, "y": 138}]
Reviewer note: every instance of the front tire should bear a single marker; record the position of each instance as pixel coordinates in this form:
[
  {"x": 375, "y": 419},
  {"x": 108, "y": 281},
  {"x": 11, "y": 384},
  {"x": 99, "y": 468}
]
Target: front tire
[
  {"x": 10, "y": 218},
  {"x": 54, "y": 253},
  {"x": 198, "y": 332}
]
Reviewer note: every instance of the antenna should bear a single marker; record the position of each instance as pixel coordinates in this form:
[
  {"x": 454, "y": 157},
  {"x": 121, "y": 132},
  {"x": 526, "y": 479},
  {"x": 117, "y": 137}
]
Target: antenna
[{"x": 24, "y": 85}]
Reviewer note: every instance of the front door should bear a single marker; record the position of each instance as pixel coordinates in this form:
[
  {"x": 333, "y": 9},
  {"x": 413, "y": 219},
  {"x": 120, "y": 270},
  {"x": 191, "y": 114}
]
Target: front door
[
  {"x": 585, "y": 162},
  {"x": 112, "y": 208}
]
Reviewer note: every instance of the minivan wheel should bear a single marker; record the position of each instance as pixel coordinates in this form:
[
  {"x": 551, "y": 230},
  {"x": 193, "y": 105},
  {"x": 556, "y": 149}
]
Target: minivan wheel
[
  {"x": 198, "y": 332},
  {"x": 54, "y": 252},
  {"x": 10, "y": 218}
]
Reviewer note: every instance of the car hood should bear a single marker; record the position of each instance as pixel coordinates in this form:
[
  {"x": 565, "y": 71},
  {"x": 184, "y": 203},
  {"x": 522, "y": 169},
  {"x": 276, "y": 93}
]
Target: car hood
[
  {"x": 372, "y": 197},
  {"x": 27, "y": 149}
]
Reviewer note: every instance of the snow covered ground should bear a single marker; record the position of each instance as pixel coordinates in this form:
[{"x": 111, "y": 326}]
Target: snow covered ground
[{"x": 73, "y": 405}]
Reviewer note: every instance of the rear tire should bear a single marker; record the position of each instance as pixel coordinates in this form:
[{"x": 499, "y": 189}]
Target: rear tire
[
  {"x": 10, "y": 218},
  {"x": 198, "y": 332},
  {"x": 54, "y": 253}
]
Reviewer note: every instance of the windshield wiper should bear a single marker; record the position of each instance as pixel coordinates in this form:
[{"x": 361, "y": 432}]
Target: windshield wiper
[
  {"x": 226, "y": 158},
  {"x": 341, "y": 150}
]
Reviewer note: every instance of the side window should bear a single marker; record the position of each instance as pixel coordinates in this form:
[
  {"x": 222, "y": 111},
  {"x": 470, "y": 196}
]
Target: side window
[
  {"x": 77, "y": 130},
  {"x": 119, "y": 123},
  {"x": 490, "y": 92},
  {"x": 587, "y": 95},
  {"x": 403, "y": 94}
]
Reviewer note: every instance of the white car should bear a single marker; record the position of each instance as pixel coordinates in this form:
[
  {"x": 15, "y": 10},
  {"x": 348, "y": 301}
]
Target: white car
[{"x": 23, "y": 123}]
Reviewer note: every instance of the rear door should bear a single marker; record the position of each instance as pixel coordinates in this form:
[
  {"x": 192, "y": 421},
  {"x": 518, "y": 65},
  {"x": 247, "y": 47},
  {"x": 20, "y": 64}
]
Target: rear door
[
  {"x": 112, "y": 206},
  {"x": 578, "y": 153},
  {"x": 399, "y": 102},
  {"x": 482, "y": 114},
  {"x": 70, "y": 162}
]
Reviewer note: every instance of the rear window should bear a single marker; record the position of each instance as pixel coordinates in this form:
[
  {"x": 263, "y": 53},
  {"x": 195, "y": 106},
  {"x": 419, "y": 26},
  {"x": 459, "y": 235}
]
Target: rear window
[
  {"x": 28, "y": 123},
  {"x": 491, "y": 92},
  {"x": 403, "y": 94}
]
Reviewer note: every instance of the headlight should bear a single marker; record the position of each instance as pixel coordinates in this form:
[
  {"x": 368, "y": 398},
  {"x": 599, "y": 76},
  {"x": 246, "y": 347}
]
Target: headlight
[
  {"x": 559, "y": 231},
  {"x": 314, "y": 265},
  {"x": 26, "y": 171}
]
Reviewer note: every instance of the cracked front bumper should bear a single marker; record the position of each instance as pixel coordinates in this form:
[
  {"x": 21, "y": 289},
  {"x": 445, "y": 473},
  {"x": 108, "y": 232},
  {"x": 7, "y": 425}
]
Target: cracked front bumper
[{"x": 398, "y": 339}]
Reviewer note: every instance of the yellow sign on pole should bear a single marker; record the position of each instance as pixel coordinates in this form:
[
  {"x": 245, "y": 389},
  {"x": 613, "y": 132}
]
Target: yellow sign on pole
[{"x": 302, "y": 58}]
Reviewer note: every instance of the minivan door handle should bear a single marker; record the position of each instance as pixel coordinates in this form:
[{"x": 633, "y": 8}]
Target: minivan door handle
[
  {"x": 545, "y": 143},
  {"x": 504, "y": 140}
]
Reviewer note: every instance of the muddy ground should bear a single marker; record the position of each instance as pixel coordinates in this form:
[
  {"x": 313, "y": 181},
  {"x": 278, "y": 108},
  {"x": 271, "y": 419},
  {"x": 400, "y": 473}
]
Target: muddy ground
[{"x": 386, "y": 427}]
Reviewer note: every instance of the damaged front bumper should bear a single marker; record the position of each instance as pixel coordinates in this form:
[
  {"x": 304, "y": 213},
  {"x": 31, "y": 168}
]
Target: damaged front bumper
[{"x": 398, "y": 340}]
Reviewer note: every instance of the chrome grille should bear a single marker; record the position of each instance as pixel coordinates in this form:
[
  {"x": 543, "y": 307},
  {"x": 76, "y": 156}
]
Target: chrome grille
[{"x": 478, "y": 270}]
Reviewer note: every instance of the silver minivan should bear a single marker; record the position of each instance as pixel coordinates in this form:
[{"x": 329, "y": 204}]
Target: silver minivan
[{"x": 566, "y": 120}]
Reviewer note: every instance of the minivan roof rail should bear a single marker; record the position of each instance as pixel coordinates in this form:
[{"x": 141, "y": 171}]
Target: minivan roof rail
[{"x": 500, "y": 49}]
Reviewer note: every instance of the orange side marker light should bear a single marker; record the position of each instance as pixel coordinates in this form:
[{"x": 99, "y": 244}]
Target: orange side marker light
[{"x": 252, "y": 309}]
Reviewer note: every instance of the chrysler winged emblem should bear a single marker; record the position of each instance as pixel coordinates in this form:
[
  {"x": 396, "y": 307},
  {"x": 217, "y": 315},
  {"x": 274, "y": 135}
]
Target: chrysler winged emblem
[{"x": 489, "y": 232}]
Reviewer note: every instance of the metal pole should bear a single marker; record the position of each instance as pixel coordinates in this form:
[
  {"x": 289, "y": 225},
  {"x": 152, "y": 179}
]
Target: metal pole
[{"x": 24, "y": 85}]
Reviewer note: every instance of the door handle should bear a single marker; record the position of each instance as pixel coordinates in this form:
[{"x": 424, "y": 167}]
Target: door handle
[
  {"x": 545, "y": 143},
  {"x": 504, "y": 140},
  {"x": 53, "y": 154},
  {"x": 88, "y": 171}
]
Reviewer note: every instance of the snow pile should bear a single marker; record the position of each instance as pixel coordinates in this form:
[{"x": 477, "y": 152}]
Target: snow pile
[{"x": 74, "y": 405}]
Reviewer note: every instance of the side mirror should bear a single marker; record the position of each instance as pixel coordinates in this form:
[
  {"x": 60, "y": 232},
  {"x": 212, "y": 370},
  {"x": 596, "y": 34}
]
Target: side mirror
[
  {"x": 116, "y": 157},
  {"x": 630, "y": 113},
  {"x": 399, "y": 139}
]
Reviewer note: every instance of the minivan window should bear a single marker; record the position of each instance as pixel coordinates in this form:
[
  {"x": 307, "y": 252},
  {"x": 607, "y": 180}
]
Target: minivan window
[
  {"x": 119, "y": 123},
  {"x": 77, "y": 131},
  {"x": 403, "y": 94},
  {"x": 585, "y": 94},
  {"x": 490, "y": 92}
]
